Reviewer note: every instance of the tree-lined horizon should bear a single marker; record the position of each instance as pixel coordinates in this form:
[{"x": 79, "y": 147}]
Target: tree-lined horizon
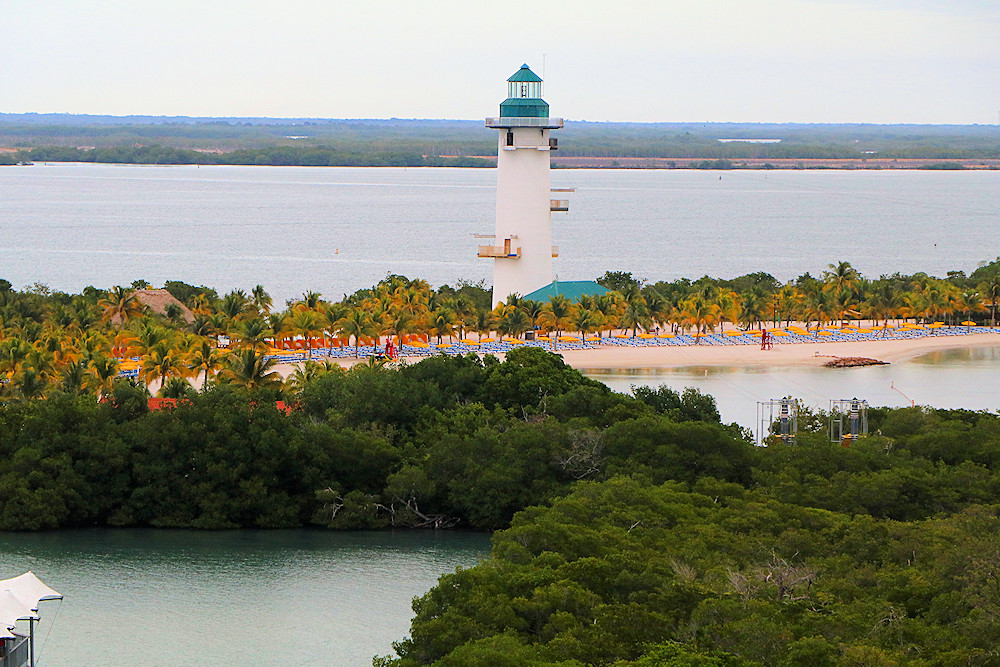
[{"x": 398, "y": 142}]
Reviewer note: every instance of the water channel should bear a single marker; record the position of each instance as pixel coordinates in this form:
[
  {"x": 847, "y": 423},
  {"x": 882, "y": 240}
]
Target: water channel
[{"x": 173, "y": 597}]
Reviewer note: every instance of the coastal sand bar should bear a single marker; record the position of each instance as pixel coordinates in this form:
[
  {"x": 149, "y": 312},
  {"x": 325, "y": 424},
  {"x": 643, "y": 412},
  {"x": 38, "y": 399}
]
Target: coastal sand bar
[
  {"x": 781, "y": 355},
  {"x": 800, "y": 354}
]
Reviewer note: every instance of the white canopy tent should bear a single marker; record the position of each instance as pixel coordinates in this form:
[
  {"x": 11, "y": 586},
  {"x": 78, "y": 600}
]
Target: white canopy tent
[
  {"x": 12, "y": 610},
  {"x": 29, "y": 588},
  {"x": 19, "y": 598}
]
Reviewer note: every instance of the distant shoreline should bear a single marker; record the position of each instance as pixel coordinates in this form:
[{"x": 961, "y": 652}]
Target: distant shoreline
[
  {"x": 672, "y": 164},
  {"x": 848, "y": 164}
]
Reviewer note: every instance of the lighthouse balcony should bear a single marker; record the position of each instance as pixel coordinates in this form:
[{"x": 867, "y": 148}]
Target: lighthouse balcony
[
  {"x": 507, "y": 122},
  {"x": 558, "y": 204},
  {"x": 499, "y": 251}
]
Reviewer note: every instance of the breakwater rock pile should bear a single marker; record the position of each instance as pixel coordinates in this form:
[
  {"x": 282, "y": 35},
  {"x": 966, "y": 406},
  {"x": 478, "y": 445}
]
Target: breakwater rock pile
[{"x": 851, "y": 362}]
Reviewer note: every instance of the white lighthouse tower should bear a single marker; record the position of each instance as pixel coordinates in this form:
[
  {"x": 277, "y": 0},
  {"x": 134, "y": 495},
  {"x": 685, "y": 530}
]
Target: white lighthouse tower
[{"x": 522, "y": 249}]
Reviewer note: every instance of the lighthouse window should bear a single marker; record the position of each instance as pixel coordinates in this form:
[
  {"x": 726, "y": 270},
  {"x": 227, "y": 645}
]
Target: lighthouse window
[{"x": 510, "y": 137}]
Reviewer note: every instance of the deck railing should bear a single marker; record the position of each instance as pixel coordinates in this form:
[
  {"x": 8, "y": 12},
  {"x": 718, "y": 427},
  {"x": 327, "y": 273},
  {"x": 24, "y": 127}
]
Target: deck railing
[
  {"x": 524, "y": 121},
  {"x": 15, "y": 652},
  {"x": 499, "y": 251}
]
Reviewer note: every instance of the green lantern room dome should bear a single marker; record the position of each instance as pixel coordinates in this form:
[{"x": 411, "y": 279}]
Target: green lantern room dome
[{"x": 524, "y": 96}]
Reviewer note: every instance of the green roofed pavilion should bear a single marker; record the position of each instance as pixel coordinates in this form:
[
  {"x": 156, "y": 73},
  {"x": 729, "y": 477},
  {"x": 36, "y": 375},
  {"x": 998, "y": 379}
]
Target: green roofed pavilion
[{"x": 571, "y": 289}]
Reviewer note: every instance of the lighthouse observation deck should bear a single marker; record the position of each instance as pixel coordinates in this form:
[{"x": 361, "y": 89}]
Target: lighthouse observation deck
[{"x": 524, "y": 121}]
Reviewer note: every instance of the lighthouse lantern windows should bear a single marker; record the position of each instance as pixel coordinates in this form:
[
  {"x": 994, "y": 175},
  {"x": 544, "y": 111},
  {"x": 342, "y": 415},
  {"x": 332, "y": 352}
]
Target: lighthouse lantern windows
[{"x": 524, "y": 89}]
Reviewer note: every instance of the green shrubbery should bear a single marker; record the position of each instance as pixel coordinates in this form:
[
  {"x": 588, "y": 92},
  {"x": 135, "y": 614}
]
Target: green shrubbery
[
  {"x": 447, "y": 441},
  {"x": 638, "y": 529}
]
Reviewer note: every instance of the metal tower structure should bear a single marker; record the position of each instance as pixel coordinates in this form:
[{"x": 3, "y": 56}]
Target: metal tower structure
[
  {"x": 853, "y": 412},
  {"x": 780, "y": 417}
]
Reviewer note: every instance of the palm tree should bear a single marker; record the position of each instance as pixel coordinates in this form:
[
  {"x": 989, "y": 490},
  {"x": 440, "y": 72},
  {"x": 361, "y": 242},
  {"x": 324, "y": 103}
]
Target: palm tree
[
  {"x": 203, "y": 326},
  {"x": 105, "y": 370},
  {"x": 201, "y": 304},
  {"x": 484, "y": 322},
  {"x": 557, "y": 313},
  {"x": 74, "y": 378},
  {"x": 308, "y": 372},
  {"x": 562, "y": 311},
  {"x": 234, "y": 304},
  {"x": 330, "y": 314},
  {"x": 149, "y": 334},
  {"x": 753, "y": 306},
  {"x": 13, "y": 352},
  {"x": 841, "y": 275},
  {"x": 248, "y": 368},
  {"x": 280, "y": 326},
  {"x": 465, "y": 311},
  {"x": 611, "y": 306},
  {"x": 730, "y": 308},
  {"x": 261, "y": 300},
  {"x": 401, "y": 324},
  {"x": 120, "y": 306},
  {"x": 970, "y": 302},
  {"x": 585, "y": 321},
  {"x": 253, "y": 333},
  {"x": 411, "y": 299},
  {"x": 356, "y": 323},
  {"x": 162, "y": 362},
  {"x": 41, "y": 361},
  {"x": 699, "y": 312},
  {"x": 127, "y": 344},
  {"x": 29, "y": 384},
  {"x": 310, "y": 301},
  {"x": 818, "y": 304},
  {"x": 636, "y": 314},
  {"x": 442, "y": 323},
  {"x": 989, "y": 290},
  {"x": 882, "y": 300},
  {"x": 205, "y": 358},
  {"x": 513, "y": 322},
  {"x": 307, "y": 323},
  {"x": 175, "y": 387}
]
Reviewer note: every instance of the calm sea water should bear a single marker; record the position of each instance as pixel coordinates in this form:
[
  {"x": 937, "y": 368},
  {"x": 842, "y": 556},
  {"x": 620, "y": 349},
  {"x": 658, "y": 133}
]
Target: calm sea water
[
  {"x": 166, "y": 597},
  {"x": 956, "y": 378},
  {"x": 335, "y": 230}
]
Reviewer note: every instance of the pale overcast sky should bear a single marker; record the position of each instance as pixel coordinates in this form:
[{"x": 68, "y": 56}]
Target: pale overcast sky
[{"x": 877, "y": 61}]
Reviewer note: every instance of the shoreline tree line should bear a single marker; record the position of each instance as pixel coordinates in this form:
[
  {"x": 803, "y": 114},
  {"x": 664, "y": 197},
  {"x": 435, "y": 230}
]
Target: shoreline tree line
[
  {"x": 79, "y": 342},
  {"x": 400, "y": 142}
]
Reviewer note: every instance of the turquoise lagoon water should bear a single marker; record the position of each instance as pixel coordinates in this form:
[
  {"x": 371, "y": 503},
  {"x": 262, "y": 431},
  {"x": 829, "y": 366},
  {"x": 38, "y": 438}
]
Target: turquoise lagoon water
[{"x": 287, "y": 597}]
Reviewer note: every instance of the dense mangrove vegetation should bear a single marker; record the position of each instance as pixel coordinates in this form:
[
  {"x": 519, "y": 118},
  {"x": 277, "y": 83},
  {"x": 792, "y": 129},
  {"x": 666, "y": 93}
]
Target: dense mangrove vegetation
[{"x": 633, "y": 529}]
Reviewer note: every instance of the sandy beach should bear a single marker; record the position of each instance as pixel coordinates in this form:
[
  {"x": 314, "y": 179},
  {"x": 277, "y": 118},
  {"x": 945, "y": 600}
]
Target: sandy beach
[{"x": 798, "y": 354}]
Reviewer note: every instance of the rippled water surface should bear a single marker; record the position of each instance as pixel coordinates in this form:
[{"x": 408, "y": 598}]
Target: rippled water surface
[
  {"x": 338, "y": 229},
  {"x": 956, "y": 378},
  {"x": 166, "y": 597}
]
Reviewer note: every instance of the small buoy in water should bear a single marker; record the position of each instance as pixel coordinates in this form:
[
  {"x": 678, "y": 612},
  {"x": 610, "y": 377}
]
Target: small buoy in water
[{"x": 336, "y": 251}]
